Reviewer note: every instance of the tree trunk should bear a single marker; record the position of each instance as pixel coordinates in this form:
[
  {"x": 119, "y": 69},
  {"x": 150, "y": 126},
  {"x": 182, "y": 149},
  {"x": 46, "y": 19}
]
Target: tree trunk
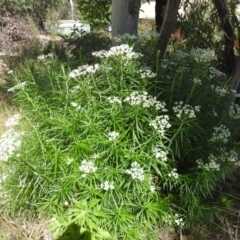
[
  {"x": 159, "y": 13},
  {"x": 119, "y": 18},
  {"x": 223, "y": 14},
  {"x": 133, "y": 14},
  {"x": 169, "y": 21}
]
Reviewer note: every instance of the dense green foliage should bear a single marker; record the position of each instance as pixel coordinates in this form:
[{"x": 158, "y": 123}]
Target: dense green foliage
[{"x": 114, "y": 150}]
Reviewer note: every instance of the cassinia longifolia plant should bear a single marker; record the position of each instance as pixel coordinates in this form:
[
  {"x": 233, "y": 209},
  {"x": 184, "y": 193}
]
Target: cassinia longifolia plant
[{"x": 118, "y": 150}]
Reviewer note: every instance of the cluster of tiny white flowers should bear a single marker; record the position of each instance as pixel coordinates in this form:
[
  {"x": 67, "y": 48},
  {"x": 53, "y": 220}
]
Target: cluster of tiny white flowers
[
  {"x": 160, "y": 123},
  {"x": 231, "y": 156},
  {"x": 87, "y": 167},
  {"x": 176, "y": 219},
  {"x": 83, "y": 70},
  {"x": 124, "y": 50},
  {"x": 17, "y": 87},
  {"x": 159, "y": 153},
  {"x": 145, "y": 100},
  {"x": 214, "y": 73},
  {"x": 185, "y": 110},
  {"x": 234, "y": 111},
  {"x": 13, "y": 121},
  {"x": 219, "y": 90},
  {"x": 69, "y": 160},
  {"x": 173, "y": 173},
  {"x": 234, "y": 93},
  {"x": 75, "y": 89},
  {"x": 95, "y": 156},
  {"x": 114, "y": 100},
  {"x": 10, "y": 141},
  {"x": 203, "y": 55},
  {"x": 113, "y": 136},
  {"x": 136, "y": 171},
  {"x": 179, "y": 55},
  {"x": 147, "y": 73},
  {"x": 125, "y": 38},
  {"x": 107, "y": 186},
  {"x": 152, "y": 189},
  {"x": 75, "y": 105},
  {"x": 212, "y": 164},
  {"x": 44, "y": 56},
  {"x": 197, "y": 81},
  {"x": 221, "y": 133}
]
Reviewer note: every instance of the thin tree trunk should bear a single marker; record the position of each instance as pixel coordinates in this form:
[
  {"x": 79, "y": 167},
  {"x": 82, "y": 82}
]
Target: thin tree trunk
[
  {"x": 159, "y": 13},
  {"x": 119, "y": 18},
  {"x": 169, "y": 21},
  {"x": 133, "y": 16},
  {"x": 223, "y": 14}
]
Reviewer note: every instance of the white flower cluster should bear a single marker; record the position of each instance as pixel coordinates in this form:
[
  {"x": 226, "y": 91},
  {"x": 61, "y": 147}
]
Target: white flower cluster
[
  {"x": 123, "y": 50},
  {"x": 160, "y": 123},
  {"x": 42, "y": 56},
  {"x": 17, "y": 87},
  {"x": 125, "y": 38},
  {"x": 145, "y": 100},
  {"x": 87, "y": 167},
  {"x": 75, "y": 89},
  {"x": 185, "y": 110},
  {"x": 75, "y": 105},
  {"x": 231, "y": 156},
  {"x": 214, "y": 73},
  {"x": 83, "y": 70},
  {"x": 113, "y": 136},
  {"x": 114, "y": 100},
  {"x": 159, "y": 153},
  {"x": 234, "y": 111},
  {"x": 173, "y": 173},
  {"x": 179, "y": 55},
  {"x": 10, "y": 141},
  {"x": 174, "y": 220},
  {"x": 212, "y": 164},
  {"x": 147, "y": 73},
  {"x": 136, "y": 171},
  {"x": 219, "y": 90},
  {"x": 107, "y": 186},
  {"x": 221, "y": 133},
  {"x": 69, "y": 160},
  {"x": 197, "y": 81},
  {"x": 203, "y": 55},
  {"x": 13, "y": 121},
  {"x": 152, "y": 188}
]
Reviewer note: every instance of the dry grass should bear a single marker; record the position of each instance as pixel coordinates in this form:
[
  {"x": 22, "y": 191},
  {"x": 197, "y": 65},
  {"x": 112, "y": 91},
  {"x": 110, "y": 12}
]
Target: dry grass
[{"x": 23, "y": 229}]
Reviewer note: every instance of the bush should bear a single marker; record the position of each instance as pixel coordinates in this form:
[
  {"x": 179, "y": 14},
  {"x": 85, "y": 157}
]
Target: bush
[{"x": 114, "y": 150}]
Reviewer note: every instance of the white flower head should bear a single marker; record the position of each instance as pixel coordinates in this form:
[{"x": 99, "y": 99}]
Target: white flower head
[
  {"x": 185, "y": 110},
  {"x": 107, "y": 186},
  {"x": 160, "y": 154},
  {"x": 160, "y": 124},
  {"x": 136, "y": 171},
  {"x": 87, "y": 167},
  {"x": 173, "y": 173},
  {"x": 114, "y": 100},
  {"x": 113, "y": 136},
  {"x": 221, "y": 133},
  {"x": 69, "y": 161},
  {"x": 75, "y": 105}
]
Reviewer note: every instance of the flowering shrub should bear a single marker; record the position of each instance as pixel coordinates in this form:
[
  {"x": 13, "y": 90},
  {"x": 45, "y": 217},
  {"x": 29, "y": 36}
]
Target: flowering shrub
[{"x": 127, "y": 151}]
